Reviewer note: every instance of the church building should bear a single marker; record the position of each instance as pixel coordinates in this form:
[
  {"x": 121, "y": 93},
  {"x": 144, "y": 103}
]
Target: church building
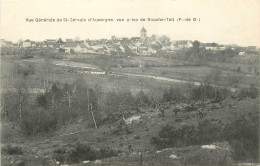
[{"x": 143, "y": 33}]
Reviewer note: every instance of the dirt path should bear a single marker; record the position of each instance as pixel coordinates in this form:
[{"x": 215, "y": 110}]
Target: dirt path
[{"x": 171, "y": 80}]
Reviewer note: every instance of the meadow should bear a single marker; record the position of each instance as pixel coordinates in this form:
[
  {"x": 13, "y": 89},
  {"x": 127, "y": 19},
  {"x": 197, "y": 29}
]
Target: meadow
[{"x": 118, "y": 118}]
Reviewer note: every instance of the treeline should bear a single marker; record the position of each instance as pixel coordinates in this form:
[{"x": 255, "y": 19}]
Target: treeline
[
  {"x": 76, "y": 102},
  {"x": 69, "y": 103},
  {"x": 206, "y": 92}
]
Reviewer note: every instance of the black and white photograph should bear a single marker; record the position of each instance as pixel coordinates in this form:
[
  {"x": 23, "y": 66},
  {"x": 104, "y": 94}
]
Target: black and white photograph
[{"x": 129, "y": 82}]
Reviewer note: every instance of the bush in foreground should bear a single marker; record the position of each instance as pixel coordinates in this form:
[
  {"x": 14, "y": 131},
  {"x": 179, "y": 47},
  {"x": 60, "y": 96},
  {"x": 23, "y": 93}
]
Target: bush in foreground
[
  {"x": 205, "y": 133},
  {"x": 39, "y": 121},
  {"x": 11, "y": 150},
  {"x": 241, "y": 134},
  {"x": 82, "y": 152}
]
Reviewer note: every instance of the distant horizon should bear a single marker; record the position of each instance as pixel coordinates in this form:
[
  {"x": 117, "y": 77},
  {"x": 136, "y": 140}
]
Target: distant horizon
[{"x": 128, "y": 37}]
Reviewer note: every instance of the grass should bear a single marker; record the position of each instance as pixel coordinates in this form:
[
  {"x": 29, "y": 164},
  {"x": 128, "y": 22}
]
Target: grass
[
  {"x": 11, "y": 150},
  {"x": 149, "y": 125},
  {"x": 204, "y": 157},
  {"x": 106, "y": 82}
]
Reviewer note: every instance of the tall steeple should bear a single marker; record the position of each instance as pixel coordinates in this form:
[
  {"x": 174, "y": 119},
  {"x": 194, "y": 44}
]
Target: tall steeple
[{"x": 143, "y": 33}]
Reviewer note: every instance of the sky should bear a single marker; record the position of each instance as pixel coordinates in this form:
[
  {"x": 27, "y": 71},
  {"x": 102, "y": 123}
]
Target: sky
[{"x": 221, "y": 21}]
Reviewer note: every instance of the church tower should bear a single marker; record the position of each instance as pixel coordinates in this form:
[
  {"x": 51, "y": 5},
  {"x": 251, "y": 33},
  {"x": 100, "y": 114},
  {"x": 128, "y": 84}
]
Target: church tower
[{"x": 143, "y": 33}]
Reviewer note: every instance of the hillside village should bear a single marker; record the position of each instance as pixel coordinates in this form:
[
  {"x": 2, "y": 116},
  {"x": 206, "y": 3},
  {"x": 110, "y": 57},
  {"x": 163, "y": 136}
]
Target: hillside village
[
  {"x": 142, "y": 45},
  {"x": 146, "y": 100}
]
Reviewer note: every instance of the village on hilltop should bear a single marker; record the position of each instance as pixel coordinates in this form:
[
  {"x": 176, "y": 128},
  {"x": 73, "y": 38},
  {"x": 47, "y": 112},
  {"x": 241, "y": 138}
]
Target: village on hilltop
[{"x": 142, "y": 45}]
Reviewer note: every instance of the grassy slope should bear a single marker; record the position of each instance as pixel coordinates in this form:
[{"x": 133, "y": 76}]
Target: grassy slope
[
  {"x": 150, "y": 124},
  {"x": 39, "y": 149}
]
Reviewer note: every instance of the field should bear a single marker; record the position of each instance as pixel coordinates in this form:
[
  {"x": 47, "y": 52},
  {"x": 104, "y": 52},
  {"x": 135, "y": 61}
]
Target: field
[{"x": 130, "y": 138}]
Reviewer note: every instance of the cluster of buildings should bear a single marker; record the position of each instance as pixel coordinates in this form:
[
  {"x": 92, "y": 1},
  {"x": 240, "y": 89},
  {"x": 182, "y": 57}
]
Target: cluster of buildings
[{"x": 142, "y": 45}]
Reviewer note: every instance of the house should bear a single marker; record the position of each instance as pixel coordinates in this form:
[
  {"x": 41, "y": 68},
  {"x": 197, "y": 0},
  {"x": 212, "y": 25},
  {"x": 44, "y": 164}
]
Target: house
[
  {"x": 113, "y": 38},
  {"x": 94, "y": 47},
  {"x": 242, "y": 53},
  {"x": 97, "y": 48},
  {"x": 69, "y": 41},
  {"x": 50, "y": 43},
  {"x": 40, "y": 44},
  {"x": 133, "y": 48},
  {"x": 143, "y": 49},
  {"x": 16, "y": 45},
  {"x": 70, "y": 47},
  {"x": 5, "y": 43},
  {"x": 60, "y": 43},
  {"x": 33, "y": 44},
  {"x": 91, "y": 50},
  {"x": 122, "y": 48},
  {"x": 214, "y": 47},
  {"x": 110, "y": 48},
  {"x": 181, "y": 44},
  {"x": 100, "y": 50},
  {"x": 152, "y": 50},
  {"x": 135, "y": 39},
  {"x": 221, "y": 47},
  {"x": 2, "y": 42},
  {"x": 27, "y": 43},
  {"x": 166, "y": 48},
  {"x": 231, "y": 46},
  {"x": 81, "y": 48}
]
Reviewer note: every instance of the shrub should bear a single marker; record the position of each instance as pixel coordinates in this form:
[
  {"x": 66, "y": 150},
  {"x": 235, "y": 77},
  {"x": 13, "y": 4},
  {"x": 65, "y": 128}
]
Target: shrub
[
  {"x": 122, "y": 128},
  {"x": 173, "y": 95},
  {"x": 118, "y": 105},
  {"x": 39, "y": 121},
  {"x": 251, "y": 92},
  {"x": 12, "y": 150},
  {"x": 142, "y": 99},
  {"x": 25, "y": 70},
  {"x": 207, "y": 91},
  {"x": 42, "y": 101},
  {"x": 82, "y": 152},
  {"x": 241, "y": 134},
  {"x": 206, "y": 132},
  {"x": 169, "y": 137},
  {"x": 243, "y": 138}
]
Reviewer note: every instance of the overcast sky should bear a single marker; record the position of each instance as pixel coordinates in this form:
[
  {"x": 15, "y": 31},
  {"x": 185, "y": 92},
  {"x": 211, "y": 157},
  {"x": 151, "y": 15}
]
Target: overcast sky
[{"x": 222, "y": 21}]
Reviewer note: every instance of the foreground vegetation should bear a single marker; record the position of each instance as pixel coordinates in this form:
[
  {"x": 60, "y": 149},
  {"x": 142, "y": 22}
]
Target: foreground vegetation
[{"x": 83, "y": 119}]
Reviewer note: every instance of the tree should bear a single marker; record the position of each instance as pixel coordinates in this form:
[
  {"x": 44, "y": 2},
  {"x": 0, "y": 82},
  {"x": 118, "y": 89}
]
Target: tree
[
  {"x": 216, "y": 75},
  {"x": 22, "y": 98},
  {"x": 142, "y": 99},
  {"x": 196, "y": 46},
  {"x": 42, "y": 100},
  {"x": 164, "y": 40},
  {"x": 118, "y": 104},
  {"x": 216, "y": 79},
  {"x": 90, "y": 105},
  {"x": 45, "y": 68},
  {"x": 69, "y": 94},
  {"x": 56, "y": 95}
]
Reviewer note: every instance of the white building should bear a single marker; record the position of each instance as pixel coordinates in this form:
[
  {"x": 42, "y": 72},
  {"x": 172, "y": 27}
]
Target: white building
[{"x": 27, "y": 43}]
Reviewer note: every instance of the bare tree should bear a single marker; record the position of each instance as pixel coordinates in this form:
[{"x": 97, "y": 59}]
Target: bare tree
[
  {"x": 90, "y": 108},
  {"x": 69, "y": 95},
  {"x": 22, "y": 97}
]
